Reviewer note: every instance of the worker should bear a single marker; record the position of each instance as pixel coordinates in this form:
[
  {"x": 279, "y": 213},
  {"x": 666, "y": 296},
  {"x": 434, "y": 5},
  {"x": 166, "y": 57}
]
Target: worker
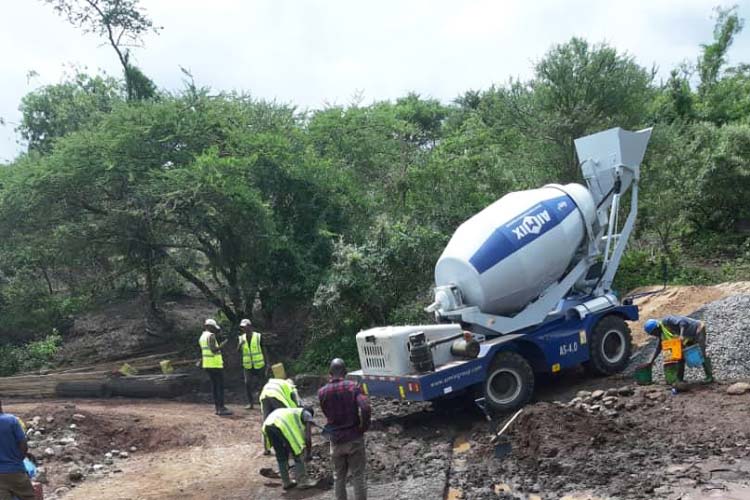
[
  {"x": 253, "y": 359},
  {"x": 213, "y": 363},
  {"x": 278, "y": 393},
  {"x": 14, "y": 480},
  {"x": 690, "y": 331},
  {"x": 289, "y": 431},
  {"x": 348, "y": 416}
]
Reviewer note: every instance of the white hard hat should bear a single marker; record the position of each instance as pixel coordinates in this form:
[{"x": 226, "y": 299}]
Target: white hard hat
[
  {"x": 246, "y": 322},
  {"x": 211, "y": 322}
]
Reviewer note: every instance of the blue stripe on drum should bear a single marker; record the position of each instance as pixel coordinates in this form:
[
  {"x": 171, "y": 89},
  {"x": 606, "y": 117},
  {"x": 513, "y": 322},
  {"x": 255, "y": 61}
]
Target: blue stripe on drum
[{"x": 521, "y": 231}]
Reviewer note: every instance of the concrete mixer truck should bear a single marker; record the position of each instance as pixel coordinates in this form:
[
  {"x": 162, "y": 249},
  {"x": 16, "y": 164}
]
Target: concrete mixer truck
[{"x": 523, "y": 288}]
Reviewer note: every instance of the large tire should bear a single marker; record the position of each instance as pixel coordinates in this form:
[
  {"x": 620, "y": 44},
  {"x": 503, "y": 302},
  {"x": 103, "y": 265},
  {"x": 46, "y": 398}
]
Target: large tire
[
  {"x": 610, "y": 344},
  {"x": 509, "y": 383}
]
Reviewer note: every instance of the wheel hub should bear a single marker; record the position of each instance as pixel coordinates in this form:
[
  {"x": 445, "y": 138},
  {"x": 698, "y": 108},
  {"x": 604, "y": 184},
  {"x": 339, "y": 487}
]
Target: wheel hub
[
  {"x": 613, "y": 346},
  {"x": 504, "y": 386}
]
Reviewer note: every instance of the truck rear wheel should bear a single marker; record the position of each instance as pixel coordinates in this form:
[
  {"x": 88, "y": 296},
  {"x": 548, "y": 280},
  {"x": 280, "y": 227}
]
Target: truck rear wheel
[
  {"x": 610, "y": 344},
  {"x": 509, "y": 383}
]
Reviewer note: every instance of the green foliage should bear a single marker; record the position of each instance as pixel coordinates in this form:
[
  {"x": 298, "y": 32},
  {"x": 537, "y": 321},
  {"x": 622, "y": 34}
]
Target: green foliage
[
  {"x": 54, "y": 111},
  {"x": 29, "y": 357},
  {"x": 128, "y": 189}
]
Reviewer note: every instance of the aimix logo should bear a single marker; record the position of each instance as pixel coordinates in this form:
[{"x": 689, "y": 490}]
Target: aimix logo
[{"x": 532, "y": 224}]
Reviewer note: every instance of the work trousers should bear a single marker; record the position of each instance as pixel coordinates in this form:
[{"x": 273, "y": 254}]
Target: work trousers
[
  {"x": 282, "y": 450},
  {"x": 254, "y": 378},
  {"x": 217, "y": 386},
  {"x": 700, "y": 339},
  {"x": 16, "y": 485},
  {"x": 349, "y": 458}
]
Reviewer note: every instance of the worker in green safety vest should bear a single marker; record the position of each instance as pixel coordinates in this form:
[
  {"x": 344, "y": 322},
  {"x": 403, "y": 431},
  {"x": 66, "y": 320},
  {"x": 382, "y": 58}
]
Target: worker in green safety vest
[
  {"x": 289, "y": 432},
  {"x": 254, "y": 360},
  {"x": 690, "y": 331},
  {"x": 213, "y": 363},
  {"x": 277, "y": 394}
]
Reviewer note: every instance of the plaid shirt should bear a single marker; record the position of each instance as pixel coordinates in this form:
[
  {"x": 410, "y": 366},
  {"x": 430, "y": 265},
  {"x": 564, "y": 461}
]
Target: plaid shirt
[{"x": 342, "y": 403}]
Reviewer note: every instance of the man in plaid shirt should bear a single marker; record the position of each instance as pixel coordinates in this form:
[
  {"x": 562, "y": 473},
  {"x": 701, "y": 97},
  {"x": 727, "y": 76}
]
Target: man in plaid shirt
[{"x": 348, "y": 413}]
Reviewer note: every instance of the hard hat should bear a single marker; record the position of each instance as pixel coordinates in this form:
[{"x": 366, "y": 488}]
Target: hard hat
[
  {"x": 211, "y": 322},
  {"x": 246, "y": 322},
  {"x": 650, "y": 325}
]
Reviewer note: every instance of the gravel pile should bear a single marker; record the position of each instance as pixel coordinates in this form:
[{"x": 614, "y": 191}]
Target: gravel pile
[{"x": 728, "y": 327}]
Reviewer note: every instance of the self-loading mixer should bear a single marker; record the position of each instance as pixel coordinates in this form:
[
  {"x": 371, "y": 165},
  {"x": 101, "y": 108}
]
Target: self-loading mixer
[{"x": 523, "y": 287}]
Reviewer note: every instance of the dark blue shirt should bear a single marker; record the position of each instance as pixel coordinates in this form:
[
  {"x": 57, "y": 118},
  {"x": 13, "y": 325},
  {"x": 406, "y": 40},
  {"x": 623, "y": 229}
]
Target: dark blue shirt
[
  {"x": 688, "y": 326},
  {"x": 11, "y": 436}
]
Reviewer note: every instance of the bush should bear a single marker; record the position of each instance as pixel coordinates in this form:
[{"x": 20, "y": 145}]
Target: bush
[{"x": 29, "y": 357}]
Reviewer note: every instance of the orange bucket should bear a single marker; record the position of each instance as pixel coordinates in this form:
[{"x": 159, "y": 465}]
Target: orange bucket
[{"x": 671, "y": 350}]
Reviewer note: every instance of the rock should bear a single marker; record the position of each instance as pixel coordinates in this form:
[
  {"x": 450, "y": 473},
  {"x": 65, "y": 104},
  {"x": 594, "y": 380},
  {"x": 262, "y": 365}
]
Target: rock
[
  {"x": 50, "y": 419},
  {"x": 61, "y": 491},
  {"x": 78, "y": 417},
  {"x": 575, "y": 401},
  {"x": 49, "y": 452},
  {"x": 37, "y": 433},
  {"x": 583, "y": 394},
  {"x": 66, "y": 441},
  {"x": 98, "y": 467},
  {"x": 597, "y": 394},
  {"x": 654, "y": 396},
  {"x": 73, "y": 427},
  {"x": 41, "y": 475},
  {"x": 123, "y": 454},
  {"x": 108, "y": 455},
  {"x": 738, "y": 388},
  {"x": 133, "y": 449},
  {"x": 75, "y": 475},
  {"x": 625, "y": 391}
]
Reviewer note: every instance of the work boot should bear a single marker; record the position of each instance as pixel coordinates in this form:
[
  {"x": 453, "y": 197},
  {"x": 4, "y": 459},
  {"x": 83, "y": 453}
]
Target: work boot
[
  {"x": 300, "y": 474},
  {"x": 286, "y": 483},
  {"x": 708, "y": 370},
  {"x": 249, "y": 406},
  {"x": 223, "y": 412}
]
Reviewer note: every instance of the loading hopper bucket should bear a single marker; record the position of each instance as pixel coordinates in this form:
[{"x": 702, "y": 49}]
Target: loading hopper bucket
[{"x": 600, "y": 154}]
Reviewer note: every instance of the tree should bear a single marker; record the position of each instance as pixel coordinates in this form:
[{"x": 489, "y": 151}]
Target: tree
[
  {"x": 123, "y": 24},
  {"x": 728, "y": 24},
  {"x": 578, "y": 89},
  {"x": 54, "y": 111}
]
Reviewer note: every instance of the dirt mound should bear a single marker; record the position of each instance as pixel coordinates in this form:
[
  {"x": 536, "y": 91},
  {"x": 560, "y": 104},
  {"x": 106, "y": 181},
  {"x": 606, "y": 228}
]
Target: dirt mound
[
  {"x": 128, "y": 329},
  {"x": 679, "y": 300},
  {"x": 630, "y": 454}
]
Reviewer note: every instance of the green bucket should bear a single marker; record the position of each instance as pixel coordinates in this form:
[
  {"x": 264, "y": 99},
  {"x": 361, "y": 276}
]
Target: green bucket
[
  {"x": 671, "y": 370},
  {"x": 643, "y": 375}
]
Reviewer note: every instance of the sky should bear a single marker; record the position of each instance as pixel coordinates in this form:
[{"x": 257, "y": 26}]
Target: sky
[{"x": 312, "y": 53}]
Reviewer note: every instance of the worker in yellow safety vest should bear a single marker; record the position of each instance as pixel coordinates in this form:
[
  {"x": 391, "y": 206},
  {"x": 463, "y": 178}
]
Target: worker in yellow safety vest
[
  {"x": 254, "y": 357},
  {"x": 213, "y": 362},
  {"x": 277, "y": 394},
  {"x": 289, "y": 431}
]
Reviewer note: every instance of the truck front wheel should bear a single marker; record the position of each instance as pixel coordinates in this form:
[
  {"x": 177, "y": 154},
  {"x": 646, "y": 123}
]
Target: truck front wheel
[
  {"x": 509, "y": 383},
  {"x": 610, "y": 344}
]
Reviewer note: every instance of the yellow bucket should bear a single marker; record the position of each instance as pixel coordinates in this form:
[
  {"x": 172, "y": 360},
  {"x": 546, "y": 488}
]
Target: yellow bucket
[
  {"x": 278, "y": 370},
  {"x": 671, "y": 350},
  {"x": 166, "y": 367},
  {"x": 127, "y": 370}
]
